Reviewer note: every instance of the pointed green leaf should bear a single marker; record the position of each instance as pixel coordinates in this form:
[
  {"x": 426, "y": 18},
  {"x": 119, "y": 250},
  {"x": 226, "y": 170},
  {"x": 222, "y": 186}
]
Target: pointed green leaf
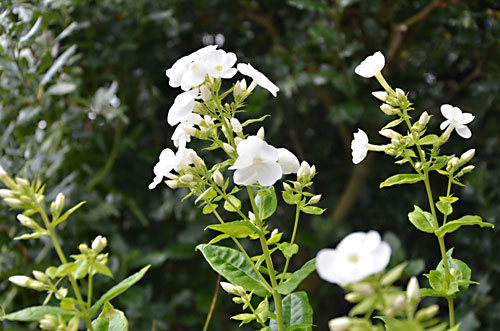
[
  {"x": 291, "y": 199},
  {"x": 421, "y": 219},
  {"x": 68, "y": 213},
  {"x": 465, "y": 220},
  {"x": 110, "y": 319},
  {"x": 232, "y": 204},
  {"x": 288, "y": 249},
  {"x": 393, "y": 123},
  {"x": 232, "y": 265},
  {"x": 401, "y": 179},
  {"x": 429, "y": 140},
  {"x": 219, "y": 238},
  {"x": 238, "y": 229},
  {"x": 297, "y": 313},
  {"x": 297, "y": 277},
  {"x": 36, "y": 313},
  {"x": 444, "y": 207},
  {"x": 260, "y": 119}
]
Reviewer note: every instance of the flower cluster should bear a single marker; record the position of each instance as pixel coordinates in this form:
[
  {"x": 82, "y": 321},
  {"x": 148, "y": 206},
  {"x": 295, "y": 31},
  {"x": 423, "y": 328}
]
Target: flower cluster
[{"x": 198, "y": 112}]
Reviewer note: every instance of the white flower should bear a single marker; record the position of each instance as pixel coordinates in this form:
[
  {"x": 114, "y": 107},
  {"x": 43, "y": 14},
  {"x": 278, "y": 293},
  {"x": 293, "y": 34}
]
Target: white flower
[
  {"x": 219, "y": 64},
  {"x": 371, "y": 65},
  {"x": 182, "y": 107},
  {"x": 172, "y": 161},
  {"x": 356, "y": 257},
  {"x": 457, "y": 119},
  {"x": 181, "y": 137},
  {"x": 257, "y": 162},
  {"x": 188, "y": 71},
  {"x": 288, "y": 161},
  {"x": 258, "y": 77},
  {"x": 359, "y": 146}
]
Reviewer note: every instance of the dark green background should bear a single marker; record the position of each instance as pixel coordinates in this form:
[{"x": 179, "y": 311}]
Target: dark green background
[{"x": 440, "y": 51}]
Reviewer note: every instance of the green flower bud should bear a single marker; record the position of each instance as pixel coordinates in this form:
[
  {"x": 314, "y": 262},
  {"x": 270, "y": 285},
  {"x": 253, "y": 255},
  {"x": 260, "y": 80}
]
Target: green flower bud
[
  {"x": 48, "y": 322},
  {"x": 427, "y": 313}
]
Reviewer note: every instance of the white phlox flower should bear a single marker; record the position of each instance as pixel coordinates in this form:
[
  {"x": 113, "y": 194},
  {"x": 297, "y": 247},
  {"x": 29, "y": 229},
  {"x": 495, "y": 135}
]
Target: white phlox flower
[
  {"x": 371, "y": 65},
  {"x": 189, "y": 71},
  {"x": 359, "y": 146},
  {"x": 258, "y": 77},
  {"x": 257, "y": 162},
  {"x": 356, "y": 257},
  {"x": 183, "y": 106},
  {"x": 185, "y": 129},
  {"x": 288, "y": 161},
  {"x": 169, "y": 161},
  {"x": 219, "y": 64},
  {"x": 457, "y": 119}
]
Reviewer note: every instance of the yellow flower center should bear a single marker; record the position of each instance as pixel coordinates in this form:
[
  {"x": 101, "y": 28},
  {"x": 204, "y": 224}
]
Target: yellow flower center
[
  {"x": 353, "y": 258},
  {"x": 257, "y": 161},
  {"x": 218, "y": 68}
]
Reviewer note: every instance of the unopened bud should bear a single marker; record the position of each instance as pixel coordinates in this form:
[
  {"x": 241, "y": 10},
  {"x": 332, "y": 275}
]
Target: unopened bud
[
  {"x": 24, "y": 183},
  {"x": 26, "y": 221},
  {"x": 14, "y": 203},
  {"x": 381, "y": 95},
  {"x": 467, "y": 156},
  {"x": 173, "y": 184},
  {"x": 20, "y": 280},
  {"x": 40, "y": 276},
  {"x": 236, "y": 125},
  {"x": 304, "y": 170},
  {"x": 297, "y": 186},
  {"x": 240, "y": 87},
  {"x": 237, "y": 300},
  {"x": 48, "y": 322},
  {"x": 227, "y": 148},
  {"x": 465, "y": 170},
  {"x": 261, "y": 133},
  {"x": 315, "y": 199},
  {"x": 251, "y": 217},
  {"x": 353, "y": 297},
  {"x": 59, "y": 203},
  {"x": 83, "y": 248},
  {"x": 363, "y": 289},
  {"x": 287, "y": 187},
  {"x": 61, "y": 293},
  {"x": 99, "y": 243},
  {"x": 232, "y": 289},
  {"x": 424, "y": 118},
  {"x": 413, "y": 289},
  {"x": 5, "y": 193},
  {"x": 186, "y": 179},
  {"x": 252, "y": 86},
  {"x": 193, "y": 132},
  {"x": 400, "y": 94},
  {"x": 237, "y": 140},
  {"x": 427, "y": 313},
  {"x": 339, "y": 324},
  {"x": 399, "y": 302},
  {"x": 3, "y": 173},
  {"x": 205, "y": 93},
  {"x": 452, "y": 163},
  {"x": 388, "y": 110},
  {"x": 389, "y": 133},
  {"x": 274, "y": 238},
  {"x": 218, "y": 178}
]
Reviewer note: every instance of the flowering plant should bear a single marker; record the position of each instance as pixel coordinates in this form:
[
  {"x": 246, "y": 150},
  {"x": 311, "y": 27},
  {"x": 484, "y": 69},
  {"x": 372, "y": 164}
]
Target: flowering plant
[{"x": 208, "y": 112}]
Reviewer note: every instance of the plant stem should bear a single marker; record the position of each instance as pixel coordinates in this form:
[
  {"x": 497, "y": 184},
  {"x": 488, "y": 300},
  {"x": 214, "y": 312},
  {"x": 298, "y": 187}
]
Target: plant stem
[
  {"x": 269, "y": 262},
  {"x": 89, "y": 290},
  {"x": 452, "y": 312},
  {"x": 295, "y": 226},
  {"x": 212, "y": 306},
  {"x": 60, "y": 253}
]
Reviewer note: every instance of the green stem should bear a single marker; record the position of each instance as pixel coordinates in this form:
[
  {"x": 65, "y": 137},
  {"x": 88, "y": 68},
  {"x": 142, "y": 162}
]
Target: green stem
[
  {"x": 383, "y": 82},
  {"x": 269, "y": 262},
  {"x": 60, "y": 253},
  {"x": 89, "y": 290},
  {"x": 295, "y": 226},
  {"x": 452, "y": 312},
  {"x": 448, "y": 191}
]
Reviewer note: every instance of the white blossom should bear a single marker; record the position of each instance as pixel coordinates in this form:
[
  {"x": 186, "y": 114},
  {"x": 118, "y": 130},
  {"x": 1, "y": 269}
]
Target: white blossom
[
  {"x": 258, "y": 77},
  {"x": 356, "y": 257},
  {"x": 183, "y": 106},
  {"x": 371, "y": 65},
  {"x": 219, "y": 64},
  {"x": 257, "y": 162},
  {"x": 457, "y": 119},
  {"x": 359, "y": 146},
  {"x": 288, "y": 161},
  {"x": 169, "y": 161},
  {"x": 181, "y": 137}
]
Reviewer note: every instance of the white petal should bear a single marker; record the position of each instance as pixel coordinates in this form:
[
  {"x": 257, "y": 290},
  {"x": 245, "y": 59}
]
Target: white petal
[
  {"x": 445, "y": 124},
  {"x": 288, "y": 161},
  {"x": 463, "y": 131},
  {"x": 268, "y": 173},
  {"x": 183, "y": 106},
  {"x": 193, "y": 77},
  {"x": 371, "y": 65},
  {"x": 247, "y": 70},
  {"x": 467, "y": 118},
  {"x": 325, "y": 265},
  {"x": 450, "y": 112},
  {"x": 245, "y": 176}
]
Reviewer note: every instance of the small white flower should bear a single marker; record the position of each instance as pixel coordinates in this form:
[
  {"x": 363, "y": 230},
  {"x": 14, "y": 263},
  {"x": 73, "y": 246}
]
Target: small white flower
[
  {"x": 359, "y": 146},
  {"x": 187, "y": 72},
  {"x": 457, "y": 119},
  {"x": 288, "y": 161},
  {"x": 258, "y": 77},
  {"x": 356, "y": 257},
  {"x": 257, "y": 162},
  {"x": 183, "y": 106},
  {"x": 371, "y": 65},
  {"x": 172, "y": 161},
  {"x": 219, "y": 64},
  {"x": 181, "y": 137}
]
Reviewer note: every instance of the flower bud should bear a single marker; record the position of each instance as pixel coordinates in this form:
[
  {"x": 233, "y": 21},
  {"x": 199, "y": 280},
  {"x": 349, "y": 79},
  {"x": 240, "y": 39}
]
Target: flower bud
[
  {"x": 227, "y": 148},
  {"x": 452, "y": 163},
  {"x": 61, "y": 293},
  {"x": 399, "y": 302},
  {"x": 236, "y": 125},
  {"x": 413, "y": 289},
  {"x": 251, "y": 217},
  {"x": 240, "y": 87},
  {"x": 339, "y": 324},
  {"x": 467, "y": 156},
  {"x": 423, "y": 119},
  {"x": 381, "y": 95},
  {"x": 218, "y": 178},
  {"x": 389, "y": 133},
  {"x": 3, "y": 173},
  {"x": 304, "y": 170},
  {"x": 40, "y": 276},
  {"x": 232, "y": 289},
  {"x": 83, "y": 248},
  {"x": 465, "y": 170},
  {"x": 14, "y": 203},
  {"x": 261, "y": 133},
  {"x": 205, "y": 93},
  {"x": 363, "y": 289},
  {"x": 237, "y": 300},
  {"x": 400, "y": 94},
  {"x": 99, "y": 243},
  {"x": 173, "y": 184},
  {"x": 287, "y": 187},
  {"x": 237, "y": 140},
  {"x": 20, "y": 280},
  {"x": 27, "y": 221},
  {"x": 427, "y": 313},
  {"x": 353, "y": 297},
  {"x": 24, "y": 183},
  {"x": 274, "y": 238},
  {"x": 252, "y": 86},
  {"x": 193, "y": 132},
  {"x": 315, "y": 199},
  {"x": 59, "y": 204},
  {"x": 297, "y": 186},
  {"x": 5, "y": 193},
  {"x": 48, "y": 322},
  {"x": 388, "y": 110},
  {"x": 186, "y": 179}
]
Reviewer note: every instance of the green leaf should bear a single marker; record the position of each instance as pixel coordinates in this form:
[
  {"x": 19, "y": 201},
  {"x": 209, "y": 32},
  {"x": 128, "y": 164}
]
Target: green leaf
[
  {"x": 118, "y": 289},
  {"x": 266, "y": 202},
  {"x": 429, "y": 140},
  {"x": 428, "y": 292},
  {"x": 462, "y": 273},
  {"x": 232, "y": 204},
  {"x": 263, "y": 310},
  {"x": 297, "y": 313},
  {"x": 219, "y": 238},
  {"x": 421, "y": 219},
  {"x": 465, "y": 220},
  {"x": 288, "y": 249},
  {"x": 232, "y": 265},
  {"x": 297, "y": 277},
  {"x": 437, "y": 281},
  {"x": 401, "y": 179},
  {"x": 65, "y": 269},
  {"x": 444, "y": 207},
  {"x": 209, "y": 208},
  {"x": 260, "y": 119},
  {"x": 68, "y": 213},
  {"x": 313, "y": 210},
  {"x": 110, "y": 319},
  {"x": 103, "y": 270},
  {"x": 36, "y": 313},
  {"x": 291, "y": 199},
  {"x": 364, "y": 306},
  {"x": 34, "y": 235},
  {"x": 238, "y": 229},
  {"x": 393, "y": 123}
]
